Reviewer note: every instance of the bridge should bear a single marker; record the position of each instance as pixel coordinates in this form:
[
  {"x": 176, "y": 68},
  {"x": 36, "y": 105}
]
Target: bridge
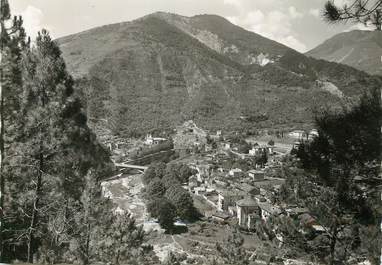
[
  {"x": 130, "y": 166},
  {"x": 125, "y": 165}
]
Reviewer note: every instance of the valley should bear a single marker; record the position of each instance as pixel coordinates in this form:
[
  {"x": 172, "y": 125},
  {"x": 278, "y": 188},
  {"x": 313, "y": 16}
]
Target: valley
[{"x": 170, "y": 139}]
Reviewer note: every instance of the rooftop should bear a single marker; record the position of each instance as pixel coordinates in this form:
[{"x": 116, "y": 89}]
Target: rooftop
[
  {"x": 246, "y": 187},
  {"x": 297, "y": 131},
  {"x": 263, "y": 146},
  {"x": 306, "y": 218},
  {"x": 255, "y": 171},
  {"x": 298, "y": 210},
  {"x": 247, "y": 202},
  {"x": 269, "y": 208},
  {"x": 268, "y": 182},
  {"x": 231, "y": 192},
  {"x": 318, "y": 228},
  {"x": 220, "y": 215}
]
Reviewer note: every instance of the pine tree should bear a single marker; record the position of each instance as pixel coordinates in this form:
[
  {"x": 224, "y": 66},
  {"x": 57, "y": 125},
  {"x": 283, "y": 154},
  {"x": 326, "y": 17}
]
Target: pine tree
[
  {"x": 363, "y": 11},
  {"x": 12, "y": 41},
  {"x": 55, "y": 148},
  {"x": 120, "y": 238},
  {"x": 86, "y": 221}
]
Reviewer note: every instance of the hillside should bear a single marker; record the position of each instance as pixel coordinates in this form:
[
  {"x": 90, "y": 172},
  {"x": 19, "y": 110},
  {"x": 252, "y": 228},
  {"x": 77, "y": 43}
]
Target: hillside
[
  {"x": 163, "y": 69},
  {"x": 359, "y": 49},
  {"x": 220, "y": 35}
]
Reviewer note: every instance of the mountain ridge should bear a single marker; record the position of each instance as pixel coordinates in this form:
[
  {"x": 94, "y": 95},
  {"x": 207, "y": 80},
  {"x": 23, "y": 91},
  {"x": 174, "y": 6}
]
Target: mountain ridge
[
  {"x": 150, "y": 74},
  {"x": 357, "y": 48}
]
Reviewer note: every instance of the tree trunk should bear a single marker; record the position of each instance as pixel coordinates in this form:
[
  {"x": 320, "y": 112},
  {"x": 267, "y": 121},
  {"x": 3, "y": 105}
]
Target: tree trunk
[
  {"x": 87, "y": 246},
  {"x": 117, "y": 256},
  {"x": 333, "y": 242},
  {"x": 34, "y": 218},
  {"x": 2, "y": 180}
]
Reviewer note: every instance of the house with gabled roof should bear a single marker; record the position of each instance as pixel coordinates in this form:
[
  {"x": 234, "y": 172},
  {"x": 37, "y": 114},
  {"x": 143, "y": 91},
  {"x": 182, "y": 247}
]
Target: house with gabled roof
[
  {"x": 229, "y": 197},
  {"x": 248, "y": 211},
  {"x": 268, "y": 210}
]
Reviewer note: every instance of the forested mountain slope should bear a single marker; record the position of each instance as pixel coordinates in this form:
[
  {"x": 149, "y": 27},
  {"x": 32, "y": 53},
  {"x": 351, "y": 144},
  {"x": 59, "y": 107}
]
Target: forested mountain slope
[
  {"x": 159, "y": 70},
  {"x": 359, "y": 49}
]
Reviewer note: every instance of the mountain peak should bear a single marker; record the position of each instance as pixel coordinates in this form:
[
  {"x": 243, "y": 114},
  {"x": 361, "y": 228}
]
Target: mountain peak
[
  {"x": 360, "y": 49},
  {"x": 164, "y": 15},
  {"x": 160, "y": 70},
  {"x": 222, "y": 36}
]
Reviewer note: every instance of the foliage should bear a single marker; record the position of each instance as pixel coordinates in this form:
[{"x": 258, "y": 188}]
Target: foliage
[
  {"x": 244, "y": 147},
  {"x": 183, "y": 202},
  {"x": 146, "y": 151},
  {"x": 340, "y": 209},
  {"x": 49, "y": 150},
  {"x": 371, "y": 242},
  {"x": 156, "y": 170},
  {"x": 179, "y": 171},
  {"x": 153, "y": 206},
  {"x": 267, "y": 95},
  {"x": 120, "y": 239},
  {"x": 170, "y": 174},
  {"x": 166, "y": 214},
  {"x": 165, "y": 193},
  {"x": 86, "y": 222},
  {"x": 358, "y": 11},
  {"x": 340, "y": 146},
  {"x": 155, "y": 188},
  {"x": 12, "y": 43},
  {"x": 292, "y": 237},
  {"x": 261, "y": 159},
  {"x": 170, "y": 180},
  {"x": 172, "y": 259},
  {"x": 231, "y": 249}
]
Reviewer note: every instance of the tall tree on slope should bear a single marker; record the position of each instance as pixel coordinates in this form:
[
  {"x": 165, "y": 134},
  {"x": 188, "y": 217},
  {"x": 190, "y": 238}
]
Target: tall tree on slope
[
  {"x": 12, "y": 41},
  {"x": 54, "y": 145}
]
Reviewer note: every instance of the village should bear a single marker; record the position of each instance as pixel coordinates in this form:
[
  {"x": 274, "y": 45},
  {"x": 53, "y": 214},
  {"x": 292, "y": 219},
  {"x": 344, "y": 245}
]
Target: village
[
  {"x": 234, "y": 184},
  {"x": 170, "y": 132}
]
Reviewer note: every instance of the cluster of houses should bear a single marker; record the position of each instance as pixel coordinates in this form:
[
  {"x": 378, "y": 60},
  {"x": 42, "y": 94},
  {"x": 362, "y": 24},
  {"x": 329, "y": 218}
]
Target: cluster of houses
[
  {"x": 188, "y": 136},
  {"x": 243, "y": 197},
  {"x": 303, "y": 135},
  {"x": 150, "y": 140}
]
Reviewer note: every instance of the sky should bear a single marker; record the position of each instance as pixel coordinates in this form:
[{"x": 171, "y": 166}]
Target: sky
[{"x": 295, "y": 23}]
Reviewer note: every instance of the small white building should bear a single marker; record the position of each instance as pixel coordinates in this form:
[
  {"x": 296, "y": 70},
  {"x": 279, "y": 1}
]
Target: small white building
[
  {"x": 296, "y": 211},
  {"x": 297, "y": 134},
  {"x": 313, "y": 134},
  {"x": 261, "y": 149},
  {"x": 256, "y": 175},
  {"x": 236, "y": 172},
  {"x": 150, "y": 140},
  {"x": 296, "y": 145}
]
